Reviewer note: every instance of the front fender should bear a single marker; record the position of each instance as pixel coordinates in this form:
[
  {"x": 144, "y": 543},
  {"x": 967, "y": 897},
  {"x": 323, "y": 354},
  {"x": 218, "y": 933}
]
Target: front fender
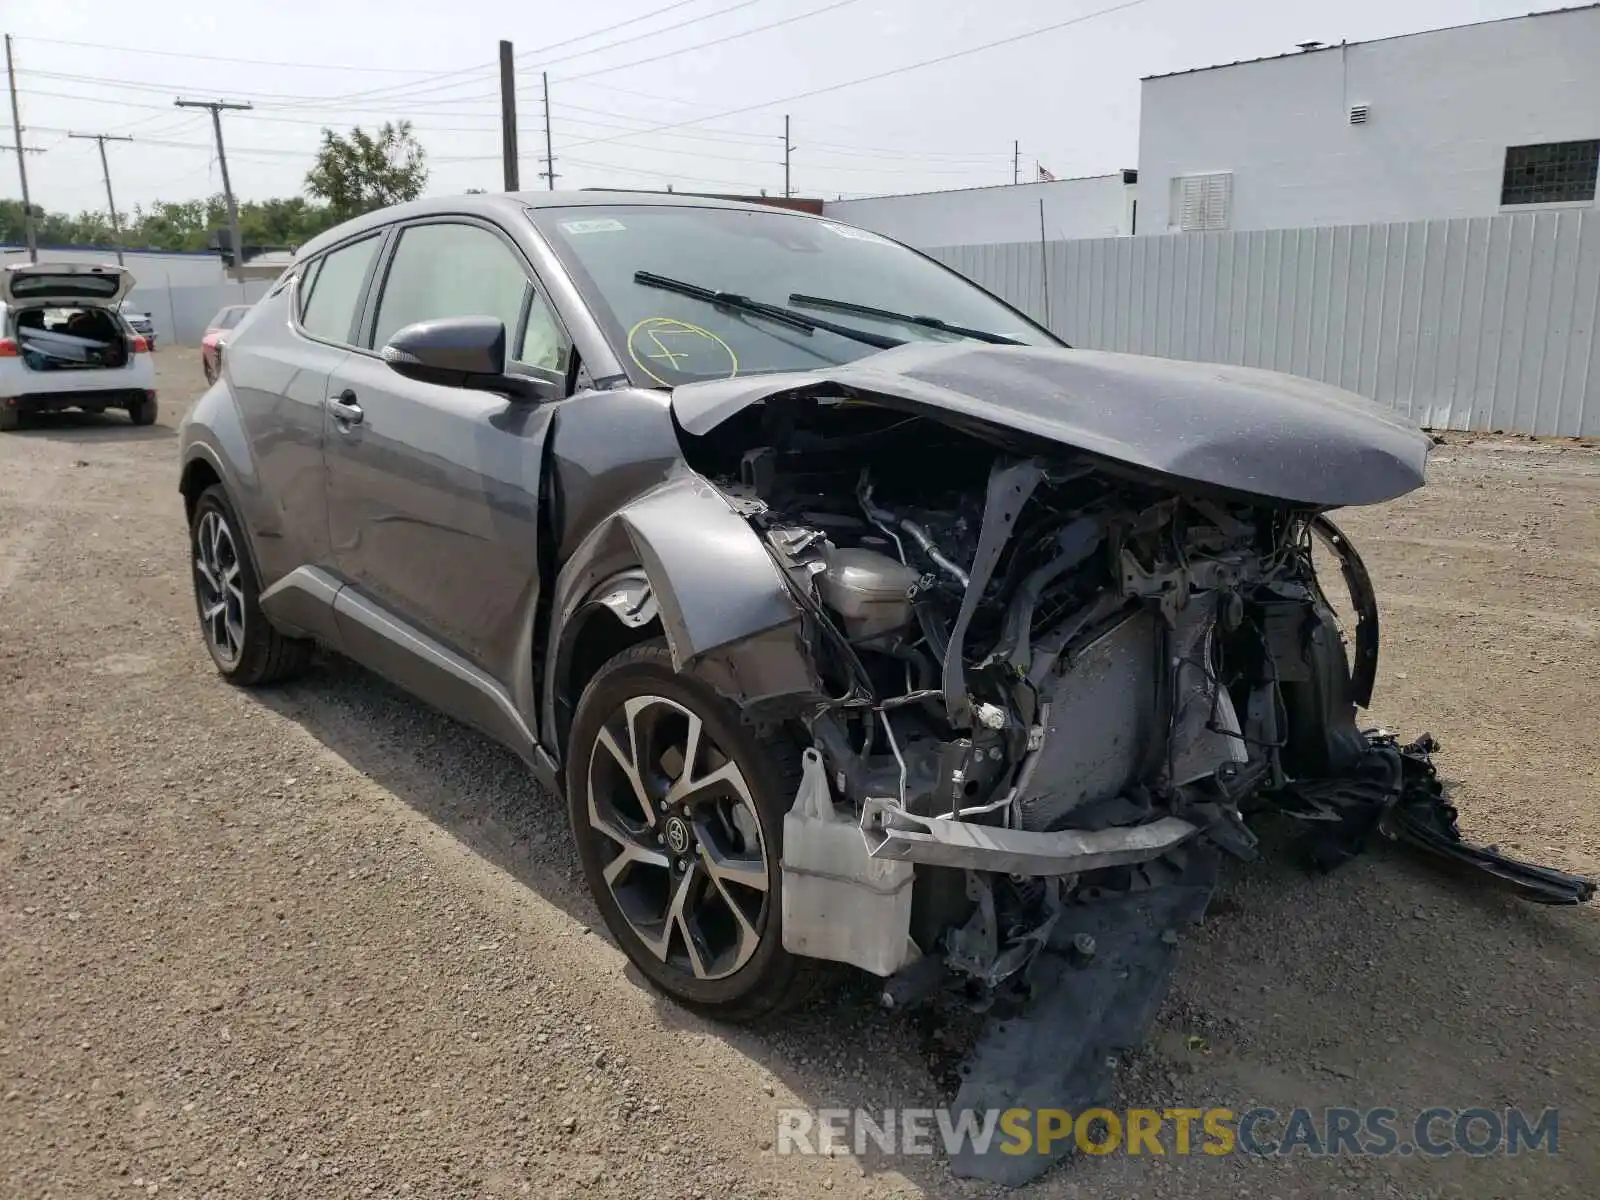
[
  {"x": 713, "y": 581},
  {"x": 720, "y": 600},
  {"x": 212, "y": 433}
]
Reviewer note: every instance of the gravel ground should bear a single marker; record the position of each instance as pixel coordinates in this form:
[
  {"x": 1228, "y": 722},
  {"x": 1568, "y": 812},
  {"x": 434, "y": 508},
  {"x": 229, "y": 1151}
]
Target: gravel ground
[{"x": 320, "y": 941}]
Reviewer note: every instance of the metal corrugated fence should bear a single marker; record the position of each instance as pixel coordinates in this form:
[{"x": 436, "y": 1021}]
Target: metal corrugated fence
[{"x": 1486, "y": 323}]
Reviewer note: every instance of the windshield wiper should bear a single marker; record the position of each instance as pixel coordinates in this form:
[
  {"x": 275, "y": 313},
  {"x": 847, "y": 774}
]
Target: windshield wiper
[
  {"x": 884, "y": 314},
  {"x": 757, "y": 308}
]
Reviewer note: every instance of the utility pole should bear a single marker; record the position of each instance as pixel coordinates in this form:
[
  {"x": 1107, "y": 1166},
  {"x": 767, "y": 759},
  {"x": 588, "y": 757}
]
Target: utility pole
[
  {"x": 105, "y": 170},
  {"x": 1016, "y": 162},
  {"x": 549, "y": 171},
  {"x": 22, "y": 159},
  {"x": 508, "y": 116},
  {"x": 787, "y": 149},
  {"x": 216, "y": 107}
]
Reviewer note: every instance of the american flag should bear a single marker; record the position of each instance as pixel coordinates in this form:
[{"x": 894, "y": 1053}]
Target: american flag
[{"x": 1044, "y": 176}]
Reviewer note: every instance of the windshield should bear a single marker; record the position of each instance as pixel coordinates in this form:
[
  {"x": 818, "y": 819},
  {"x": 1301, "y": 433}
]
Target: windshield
[{"x": 774, "y": 258}]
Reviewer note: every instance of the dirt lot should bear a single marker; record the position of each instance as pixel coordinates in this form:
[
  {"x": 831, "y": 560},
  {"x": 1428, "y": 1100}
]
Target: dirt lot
[{"x": 322, "y": 942}]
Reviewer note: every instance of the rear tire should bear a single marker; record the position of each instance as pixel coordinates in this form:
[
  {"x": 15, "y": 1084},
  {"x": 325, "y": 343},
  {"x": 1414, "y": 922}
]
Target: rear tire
[
  {"x": 210, "y": 372},
  {"x": 244, "y": 645},
  {"x": 143, "y": 412},
  {"x": 10, "y": 419},
  {"x": 684, "y": 865}
]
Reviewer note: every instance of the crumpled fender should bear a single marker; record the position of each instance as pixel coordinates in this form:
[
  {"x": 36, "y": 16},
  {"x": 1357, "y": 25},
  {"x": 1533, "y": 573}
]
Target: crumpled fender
[
  {"x": 723, "y": 605},
  {"x": 714, "y": 582}
]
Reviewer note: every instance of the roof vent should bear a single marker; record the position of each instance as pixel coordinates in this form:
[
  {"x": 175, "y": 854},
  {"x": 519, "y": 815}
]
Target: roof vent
[
  {"x": 1358, "y": 114},
  {"x": 1307, "y": 47}
]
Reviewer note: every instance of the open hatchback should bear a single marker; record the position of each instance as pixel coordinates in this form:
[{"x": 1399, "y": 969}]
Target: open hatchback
[{"x": 65, "y": 344}]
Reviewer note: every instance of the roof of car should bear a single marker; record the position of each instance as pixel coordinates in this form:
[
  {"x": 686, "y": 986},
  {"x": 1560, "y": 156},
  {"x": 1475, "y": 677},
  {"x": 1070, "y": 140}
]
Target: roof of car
[{"x": 510, "y": 204}]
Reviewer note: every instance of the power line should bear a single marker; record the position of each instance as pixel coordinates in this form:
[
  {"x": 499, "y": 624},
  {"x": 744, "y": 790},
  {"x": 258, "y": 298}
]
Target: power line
[
  {"x": 927, "y": 62},
  {"x": 279, "y": 99},
  {"x": 399, "y": 92},
  {"x": 583, "y": 162},
  {"x": 636, "y": 37},
  {"x": 611, "y": 87},
  {"x": 987, "y": 159},
  {"x": 253, "y": 115},
  {"x": 122, "y": 48},
  {"x": 732, "y": 37}
]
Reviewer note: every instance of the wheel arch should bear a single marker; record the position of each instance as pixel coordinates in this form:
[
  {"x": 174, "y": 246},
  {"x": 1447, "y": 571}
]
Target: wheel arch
[
  {"x": 678, "y": 563},
  {"x": 199, "y": 473}
]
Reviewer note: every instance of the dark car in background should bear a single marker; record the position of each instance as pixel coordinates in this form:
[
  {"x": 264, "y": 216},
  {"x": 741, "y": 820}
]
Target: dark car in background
[
  {"x": 212, "y": 341},
  {"x": 857, "y": 617}
]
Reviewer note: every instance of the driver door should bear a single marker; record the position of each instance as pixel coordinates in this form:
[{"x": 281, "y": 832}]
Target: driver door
[{"x": 433, "y": 491}]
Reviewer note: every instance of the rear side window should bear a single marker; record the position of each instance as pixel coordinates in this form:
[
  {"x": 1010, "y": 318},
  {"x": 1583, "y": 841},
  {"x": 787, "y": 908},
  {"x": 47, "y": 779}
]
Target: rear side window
[
  {"x": 452, "y": 270},
  {"x": 328, "y": 310}
]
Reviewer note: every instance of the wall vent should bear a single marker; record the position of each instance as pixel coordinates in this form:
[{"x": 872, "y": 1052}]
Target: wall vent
[
  {"x": 1202, "y": 202},
  {"x": 1358, "y": 114}
]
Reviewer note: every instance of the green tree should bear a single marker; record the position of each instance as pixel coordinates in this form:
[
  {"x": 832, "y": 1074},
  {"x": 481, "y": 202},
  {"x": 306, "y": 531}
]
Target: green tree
[
  {"x": 289, "y": 221},
  {"x": 283, "y": 221},
  {"x": 176, "y": 224},
  {"x": 362, "y": 172}
]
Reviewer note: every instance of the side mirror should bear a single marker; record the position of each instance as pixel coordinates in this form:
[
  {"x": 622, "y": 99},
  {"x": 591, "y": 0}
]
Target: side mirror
[{"x": 467, "y": 352}]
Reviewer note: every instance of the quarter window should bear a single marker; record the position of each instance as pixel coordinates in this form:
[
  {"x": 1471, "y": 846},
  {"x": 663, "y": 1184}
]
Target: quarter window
[
  {"x": 449, "y": 269},
  {"x": 328, "y": 308}
]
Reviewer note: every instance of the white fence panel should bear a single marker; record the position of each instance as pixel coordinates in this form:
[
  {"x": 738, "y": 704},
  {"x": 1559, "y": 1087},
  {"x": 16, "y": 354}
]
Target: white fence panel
[
  {"x": 182, "y": 312},
  {"x": 1487, "y": 323}
]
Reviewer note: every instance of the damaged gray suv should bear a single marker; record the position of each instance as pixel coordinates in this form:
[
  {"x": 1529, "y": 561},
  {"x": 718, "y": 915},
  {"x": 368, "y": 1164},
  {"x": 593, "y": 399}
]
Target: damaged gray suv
[{"x": 857, "y": 617}]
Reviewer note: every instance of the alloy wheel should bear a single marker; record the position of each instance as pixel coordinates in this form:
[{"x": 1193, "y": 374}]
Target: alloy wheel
[
  {"x": 683, "y": 852},
  {"x": 219, "y": 587}
]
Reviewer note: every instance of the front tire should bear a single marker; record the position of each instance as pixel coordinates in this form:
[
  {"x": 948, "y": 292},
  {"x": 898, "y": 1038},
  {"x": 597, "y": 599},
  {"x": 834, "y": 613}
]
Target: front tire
[
  {"x": 10, "y": 419},
  {"x": 677, "y": 809},
  {"x": 246, "y": 648}
]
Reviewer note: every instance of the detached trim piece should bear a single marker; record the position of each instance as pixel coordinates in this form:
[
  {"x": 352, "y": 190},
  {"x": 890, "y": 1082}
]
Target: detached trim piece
[
  {"x": 1364, "y": 670},
  {"x": 896, "y": 834}
]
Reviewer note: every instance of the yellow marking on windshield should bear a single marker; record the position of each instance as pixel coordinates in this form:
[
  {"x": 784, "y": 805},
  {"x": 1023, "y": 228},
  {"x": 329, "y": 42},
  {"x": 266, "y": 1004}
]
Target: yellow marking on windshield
[{"x": 669, "y": 342}]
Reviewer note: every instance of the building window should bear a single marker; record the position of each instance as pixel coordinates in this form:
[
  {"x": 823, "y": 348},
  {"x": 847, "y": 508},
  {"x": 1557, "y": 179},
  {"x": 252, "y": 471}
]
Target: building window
[
  {"x": 1551, "y": 173},
  {"x": 1201, "y": 202}
]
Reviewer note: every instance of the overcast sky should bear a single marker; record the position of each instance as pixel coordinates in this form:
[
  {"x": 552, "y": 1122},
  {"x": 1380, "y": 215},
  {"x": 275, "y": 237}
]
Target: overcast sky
[{"x": 1070, "y": 96}]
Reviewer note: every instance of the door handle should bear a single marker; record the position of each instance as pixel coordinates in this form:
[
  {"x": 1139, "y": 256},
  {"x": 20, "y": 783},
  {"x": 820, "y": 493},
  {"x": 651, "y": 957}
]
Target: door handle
[{"x": 345, "y": 410}]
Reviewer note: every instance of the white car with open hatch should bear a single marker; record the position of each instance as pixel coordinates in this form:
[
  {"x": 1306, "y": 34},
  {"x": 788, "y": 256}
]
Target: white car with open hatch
[{"x": 64, "y": 343}]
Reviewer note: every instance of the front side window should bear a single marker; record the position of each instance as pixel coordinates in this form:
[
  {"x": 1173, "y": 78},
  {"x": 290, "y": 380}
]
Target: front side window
[
  {"x": 335, "y": 281},
  {"x": 1551, "y": 173},
  {"x": 774, "y": 257},
  {"x": 451, "y": 269}
]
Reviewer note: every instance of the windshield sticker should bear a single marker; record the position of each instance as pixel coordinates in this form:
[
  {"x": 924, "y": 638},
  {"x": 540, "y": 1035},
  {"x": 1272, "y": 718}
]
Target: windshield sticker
[
  {"x": 667, "y": 345},
  {"x": 594, "y": 225},
  {"x": 856, "y": 235}
]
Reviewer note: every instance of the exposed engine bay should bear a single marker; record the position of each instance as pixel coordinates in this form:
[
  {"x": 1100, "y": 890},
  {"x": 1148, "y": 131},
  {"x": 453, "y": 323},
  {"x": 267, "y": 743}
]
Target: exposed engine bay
[{"x": 1056, "y": 686}]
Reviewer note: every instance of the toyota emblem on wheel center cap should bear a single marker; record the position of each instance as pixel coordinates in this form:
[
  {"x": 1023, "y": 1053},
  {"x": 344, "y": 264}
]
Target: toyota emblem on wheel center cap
[{"x": 677, "y": 835}]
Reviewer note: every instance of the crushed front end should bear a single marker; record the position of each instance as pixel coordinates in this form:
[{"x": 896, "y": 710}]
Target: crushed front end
[{"x": 1057, "y": 684}]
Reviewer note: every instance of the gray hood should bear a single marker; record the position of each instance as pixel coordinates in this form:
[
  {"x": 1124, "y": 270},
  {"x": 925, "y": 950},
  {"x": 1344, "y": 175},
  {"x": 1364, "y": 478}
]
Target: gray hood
[{"x": 1252, "y": 431}]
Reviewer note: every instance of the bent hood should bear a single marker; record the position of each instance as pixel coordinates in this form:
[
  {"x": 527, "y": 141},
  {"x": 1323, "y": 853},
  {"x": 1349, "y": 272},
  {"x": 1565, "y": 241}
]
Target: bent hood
[{"x": 1239, "y": 428}]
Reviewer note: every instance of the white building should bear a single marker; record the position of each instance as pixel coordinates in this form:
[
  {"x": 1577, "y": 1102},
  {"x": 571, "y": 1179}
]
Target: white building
[
  {"x": 1502, "y": 116},
  {"x": 1095, "y": 207}
]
